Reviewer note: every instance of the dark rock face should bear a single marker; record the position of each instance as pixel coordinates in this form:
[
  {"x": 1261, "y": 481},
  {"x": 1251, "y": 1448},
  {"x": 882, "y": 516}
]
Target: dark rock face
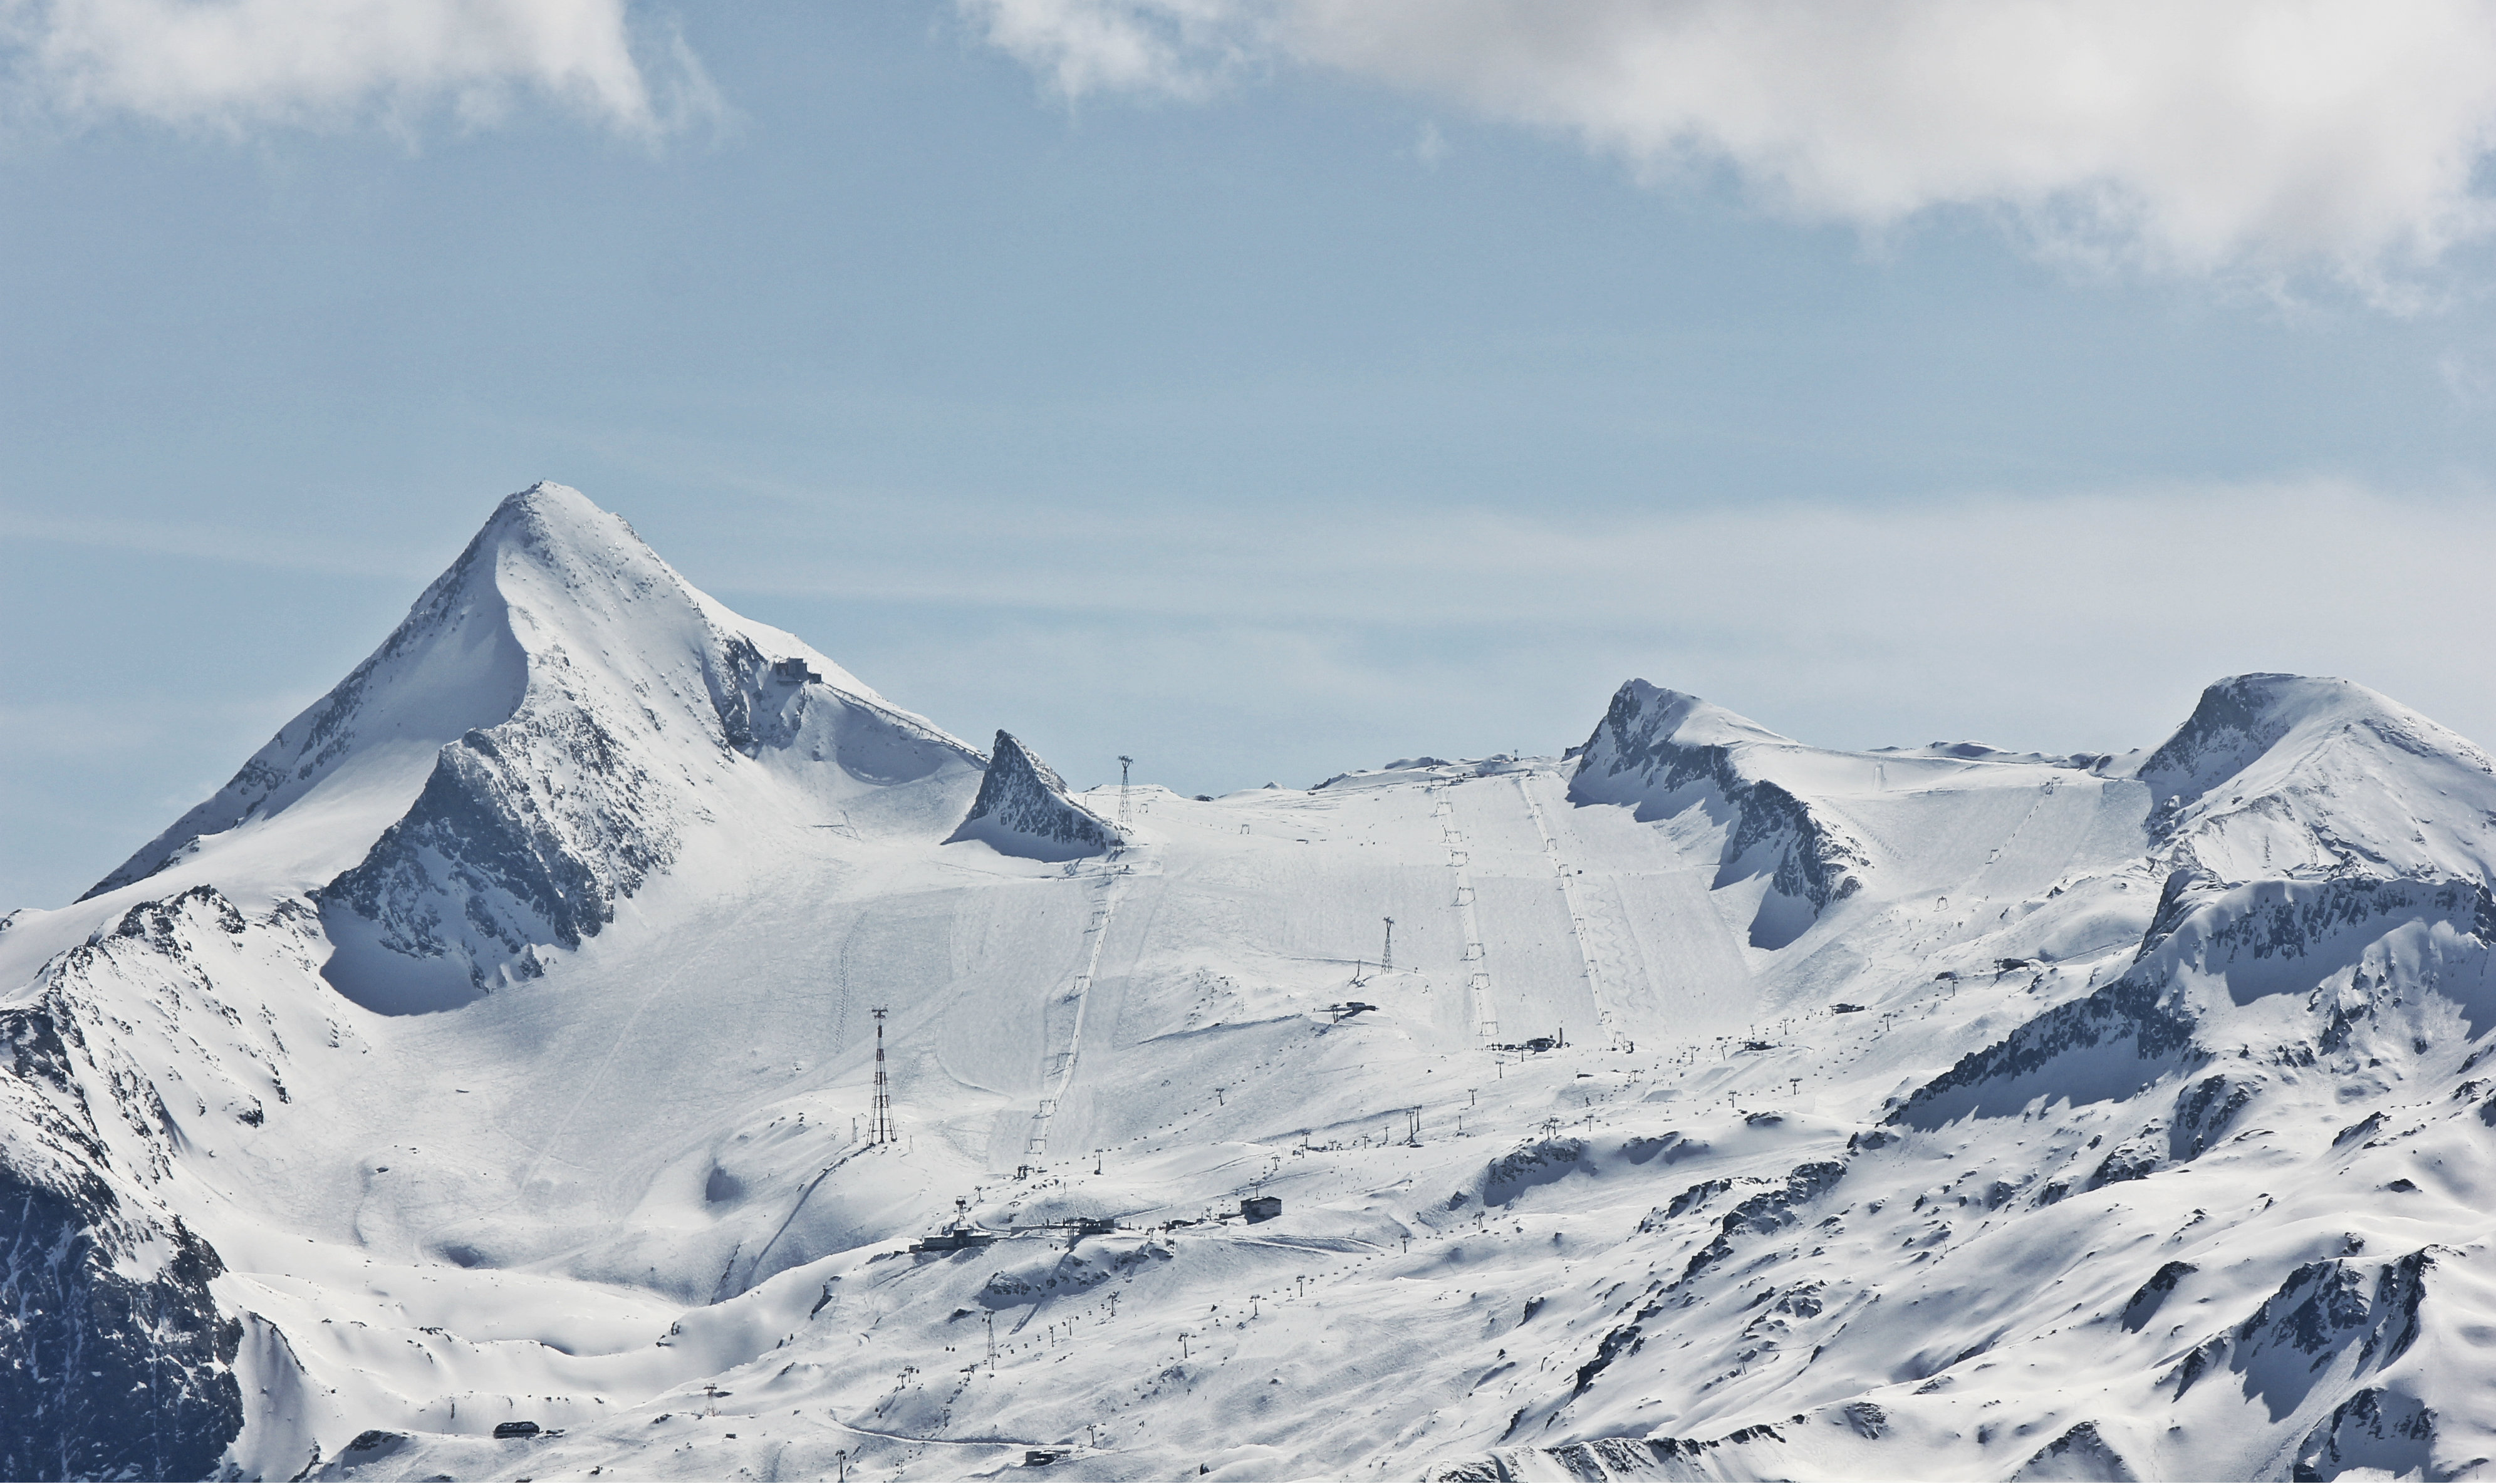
[
  {"x": 1024, "y": 809},
  {"x": 491, "y": 859},
  {"x": 2128, "y": 1033},
  {"x": 102, "y": 1377},
  {"x": 2146, "y": 1301},
  {"x": 2387, "y": 1433},
  {"x": 1636, "y": 1458},
  {"x": 1773, "y": 1210},
  {"x": 2134, "y": 1159},
  {"x": 2205, "y": 1111},
  {"x": 2323, "y": 1308},
  {"x": 114, "y": 1362},
  {"x": 1521, "y": 1169},
  {"x": 2081, "y": 1453}
]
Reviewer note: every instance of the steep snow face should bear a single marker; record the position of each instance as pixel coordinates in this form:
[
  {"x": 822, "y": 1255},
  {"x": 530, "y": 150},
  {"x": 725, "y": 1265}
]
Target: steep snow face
[
  {"x": 643, "y": 697},
  {"x": 1024, "y": 809},
  {"x": 331, "y": 780},
  {"x": 2286, "y": 775},
  {"x": 557, "y": 714}
]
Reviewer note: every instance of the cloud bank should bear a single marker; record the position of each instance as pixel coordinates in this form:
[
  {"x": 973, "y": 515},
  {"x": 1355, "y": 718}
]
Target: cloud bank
[
  {"x": 231, "y": 64},
  {"x": 2081, "y": 620},
  {"x": 2268, "y": 136}
]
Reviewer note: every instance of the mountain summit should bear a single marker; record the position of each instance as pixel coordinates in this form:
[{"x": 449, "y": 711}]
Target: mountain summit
[
  {"x": 556, "y": 714},
  {"x": 2292, "y": 775}
]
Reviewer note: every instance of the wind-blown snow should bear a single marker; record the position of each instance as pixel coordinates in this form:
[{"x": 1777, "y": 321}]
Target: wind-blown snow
[{"x": 1733, "y": 1107}]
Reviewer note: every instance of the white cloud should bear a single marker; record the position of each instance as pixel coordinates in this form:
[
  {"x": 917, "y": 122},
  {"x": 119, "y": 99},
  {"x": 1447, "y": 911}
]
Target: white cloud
[
  {"x": 2267, "y": 137},
  {"x": 1175, "y": 47},
  {"x": 230, "y": 64}
]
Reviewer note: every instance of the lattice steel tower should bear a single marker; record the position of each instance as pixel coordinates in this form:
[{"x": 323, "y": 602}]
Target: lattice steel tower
[
  {"x": 1124, "y": 763},
  {"x": 879, "y": 1127}
]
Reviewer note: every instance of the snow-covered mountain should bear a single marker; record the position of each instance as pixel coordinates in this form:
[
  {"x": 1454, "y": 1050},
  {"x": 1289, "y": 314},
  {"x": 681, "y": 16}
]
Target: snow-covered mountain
[{"x": 501, "y": 1046}]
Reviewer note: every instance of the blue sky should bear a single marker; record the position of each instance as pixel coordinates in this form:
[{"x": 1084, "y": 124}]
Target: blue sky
[{"x": 1262, "y": 387}]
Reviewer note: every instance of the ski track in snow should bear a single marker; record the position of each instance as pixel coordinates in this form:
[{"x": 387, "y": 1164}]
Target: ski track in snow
[
  {"x": 1057, "y": 1071},
  {"x": 1477, "y": 982}
]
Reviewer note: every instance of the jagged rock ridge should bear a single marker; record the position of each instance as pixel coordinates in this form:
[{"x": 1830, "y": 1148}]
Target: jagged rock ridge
[{"x": 1025, "y": 809}]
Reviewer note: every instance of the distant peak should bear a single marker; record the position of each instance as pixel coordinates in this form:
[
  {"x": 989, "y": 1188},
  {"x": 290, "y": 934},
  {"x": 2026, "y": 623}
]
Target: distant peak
[
  {"x": 2242, "y": 718},
  {"x": 551, "y": 514},
  {"x": 548, "y": 498},
  {"x": 1657, "y": 712},
  {"x": 2276, "y": 775}
]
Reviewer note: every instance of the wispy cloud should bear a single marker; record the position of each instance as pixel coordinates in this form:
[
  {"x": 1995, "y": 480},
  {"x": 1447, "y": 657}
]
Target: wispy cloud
[
  {"x": 2088, "y": 620},
  {"x": 232, "y": 544},
  {"x": 234, "y": 64},
  {"x": 2267, "y": 137}
]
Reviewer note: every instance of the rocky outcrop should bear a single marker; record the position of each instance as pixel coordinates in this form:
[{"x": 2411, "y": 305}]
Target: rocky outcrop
[
  {"x": 2109, "y": 1045},
  {"x": 497, "y": 856},
  {"x": 2081, "y": 1453},
  {"x": 2379, "y": 1433},
  {"x": 114, "y": 1361},
  {"x": 1024, "y": 809}
]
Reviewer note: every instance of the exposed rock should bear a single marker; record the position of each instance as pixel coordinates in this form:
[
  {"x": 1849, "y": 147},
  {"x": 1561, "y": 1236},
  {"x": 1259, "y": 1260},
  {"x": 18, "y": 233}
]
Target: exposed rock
[
  {"x": 2146, "y": 1300},
  {"x": 114, "y": 1362},
  {"x": 2078, "y": 1454},
  {"x": 1025, "y": 809},
  {"x": 2378, "y": 1433}
]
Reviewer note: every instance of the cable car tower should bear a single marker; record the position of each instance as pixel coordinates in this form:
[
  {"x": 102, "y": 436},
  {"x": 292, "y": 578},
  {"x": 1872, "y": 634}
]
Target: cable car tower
[
  {"x": 879, "y": 1126},
  {"x": 1124, "y": 763}
]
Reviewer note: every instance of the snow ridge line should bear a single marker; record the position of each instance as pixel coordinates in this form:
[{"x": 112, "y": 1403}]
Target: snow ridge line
[
  {"x": 1477, "y": 961},
  {"x": 1107, "y": 909},
  {"x": 1577, "y": 914}
]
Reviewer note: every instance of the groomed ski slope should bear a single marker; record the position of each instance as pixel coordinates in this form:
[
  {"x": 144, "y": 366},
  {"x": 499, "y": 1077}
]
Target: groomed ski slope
[{"x": 1879, "y": 1184}]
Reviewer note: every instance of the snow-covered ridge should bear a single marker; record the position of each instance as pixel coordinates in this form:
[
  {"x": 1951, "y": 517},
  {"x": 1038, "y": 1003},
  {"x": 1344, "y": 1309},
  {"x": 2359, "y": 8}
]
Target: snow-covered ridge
[
  {"x": 534, "y": 742},
  {"x": 2276, "y": 775},
  {"x": 1665, "y": 753}
]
